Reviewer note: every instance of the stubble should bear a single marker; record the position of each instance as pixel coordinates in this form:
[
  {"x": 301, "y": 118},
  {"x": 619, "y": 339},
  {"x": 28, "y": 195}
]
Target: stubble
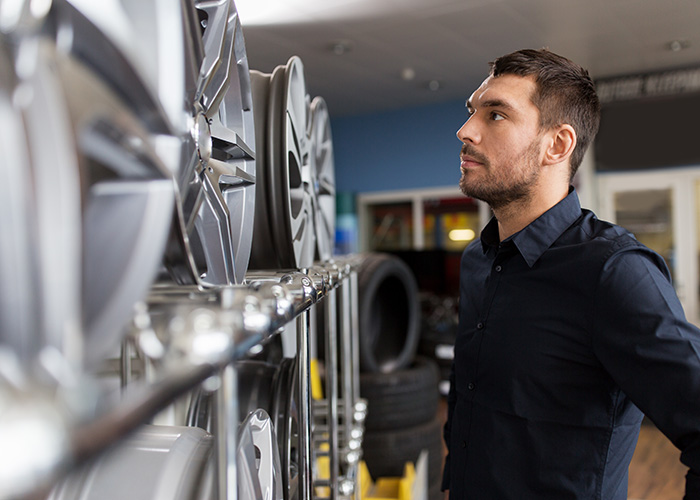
[{"x": 503, "y": 184}]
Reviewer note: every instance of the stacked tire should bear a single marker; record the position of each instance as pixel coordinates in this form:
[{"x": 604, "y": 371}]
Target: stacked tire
[
  {"x": 401, "y": 388},
  {"x": 438, "y": 333}
]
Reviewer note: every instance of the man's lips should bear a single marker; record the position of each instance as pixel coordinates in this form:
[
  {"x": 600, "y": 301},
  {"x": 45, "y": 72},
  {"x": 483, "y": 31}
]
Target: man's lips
[{"x": 468, "y": 162}]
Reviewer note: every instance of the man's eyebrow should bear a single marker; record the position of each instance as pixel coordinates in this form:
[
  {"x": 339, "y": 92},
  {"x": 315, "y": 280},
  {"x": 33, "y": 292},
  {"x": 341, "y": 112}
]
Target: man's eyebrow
[{"x": 490, "y": 103}]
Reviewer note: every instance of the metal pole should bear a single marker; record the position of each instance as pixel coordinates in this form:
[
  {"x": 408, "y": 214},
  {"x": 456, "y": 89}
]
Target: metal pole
[
  {"x": 355, "y": 336},
  {"x": 125, "y": 363},
  {"x": 332, "y": 387},
  {"x": 226, "y": 428},
  {"x": 304, "y": 398},
  {"x": 347, "y": 360}
]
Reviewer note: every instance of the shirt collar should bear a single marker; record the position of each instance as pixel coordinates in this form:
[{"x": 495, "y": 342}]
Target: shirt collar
[{"x": 533, "y": 240}]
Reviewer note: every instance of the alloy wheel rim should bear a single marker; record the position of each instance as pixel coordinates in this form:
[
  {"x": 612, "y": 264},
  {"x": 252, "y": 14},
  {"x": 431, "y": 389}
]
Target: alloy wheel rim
[
  {"x": 101, "y": 173},
  {"x": 258, "y": 463},
  {"x": 324, "y": 185},
  {"x": 217, "y": 179}
]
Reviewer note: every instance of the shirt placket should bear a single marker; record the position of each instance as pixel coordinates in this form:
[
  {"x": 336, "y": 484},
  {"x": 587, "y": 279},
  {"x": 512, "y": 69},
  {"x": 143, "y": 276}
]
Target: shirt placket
[{"x": 482, "y": 321}]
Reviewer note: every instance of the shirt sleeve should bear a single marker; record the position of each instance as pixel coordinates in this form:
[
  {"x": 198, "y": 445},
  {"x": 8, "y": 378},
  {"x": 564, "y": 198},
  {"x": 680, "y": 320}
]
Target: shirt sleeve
[{"x": 643, "y": 340}]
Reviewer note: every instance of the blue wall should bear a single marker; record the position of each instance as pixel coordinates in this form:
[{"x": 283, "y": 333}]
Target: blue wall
[{"x": 405, "y": 149}]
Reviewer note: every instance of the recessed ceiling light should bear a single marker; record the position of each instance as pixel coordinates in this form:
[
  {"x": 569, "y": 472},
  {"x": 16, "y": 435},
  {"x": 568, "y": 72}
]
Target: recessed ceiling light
[
  {"x": 434, "y": 85},
  {"x": 408, "y": 73},
  {"x": 342, "y": 47},
  {"x": 677, "y": 45}
]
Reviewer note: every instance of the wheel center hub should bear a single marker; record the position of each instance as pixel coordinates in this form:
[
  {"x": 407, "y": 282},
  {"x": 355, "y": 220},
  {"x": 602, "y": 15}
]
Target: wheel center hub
[{"x": 201, "y": 132}]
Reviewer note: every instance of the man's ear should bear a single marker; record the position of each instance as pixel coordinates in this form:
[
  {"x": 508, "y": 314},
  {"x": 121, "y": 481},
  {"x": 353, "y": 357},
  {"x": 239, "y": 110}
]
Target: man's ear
[{"x": 561, "y": 144}]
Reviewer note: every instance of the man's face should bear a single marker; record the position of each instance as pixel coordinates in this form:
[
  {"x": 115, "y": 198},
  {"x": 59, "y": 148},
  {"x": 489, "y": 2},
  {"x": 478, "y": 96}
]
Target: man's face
[{"x": 501, "y": 152}]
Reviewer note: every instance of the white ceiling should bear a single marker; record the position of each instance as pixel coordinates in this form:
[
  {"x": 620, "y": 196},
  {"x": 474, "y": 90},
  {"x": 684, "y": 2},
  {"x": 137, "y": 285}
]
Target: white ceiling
[{"x": 451, "y": 41}]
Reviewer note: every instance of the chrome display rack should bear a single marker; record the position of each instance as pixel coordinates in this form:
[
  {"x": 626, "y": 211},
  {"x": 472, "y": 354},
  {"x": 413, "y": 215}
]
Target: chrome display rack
[{"x": 191, "y": 336}]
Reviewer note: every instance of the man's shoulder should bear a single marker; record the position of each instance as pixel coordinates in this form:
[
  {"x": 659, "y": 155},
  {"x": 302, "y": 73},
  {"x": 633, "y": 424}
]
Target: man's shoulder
[
  {"x": 605, "y": 243},
  {"x": 589, "y": 229}
]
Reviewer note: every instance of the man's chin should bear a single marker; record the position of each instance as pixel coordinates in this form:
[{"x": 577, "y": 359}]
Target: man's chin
[{"x": 467, "y": 189}]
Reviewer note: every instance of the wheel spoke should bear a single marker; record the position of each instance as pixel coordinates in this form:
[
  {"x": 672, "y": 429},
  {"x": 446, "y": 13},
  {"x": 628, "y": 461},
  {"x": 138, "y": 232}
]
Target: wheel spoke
[
  {"x": 213, "y": 227},
  {"x": 259, "y": 470},
  {"x": 248, "y": 480},
  {"x": 326, "y": 186},
  {"x": 218, "y": 41},
  {"x": 230, "y": 143}
]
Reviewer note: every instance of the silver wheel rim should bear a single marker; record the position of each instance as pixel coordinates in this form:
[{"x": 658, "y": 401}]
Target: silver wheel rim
[
  {"x": 324, "y": 186},
  {"x": 258, "y": 463},
  {"x": 286, "y": 415},
  {"x": 34, "y": 311},
  {"x": 111, "y": 138},
  {"x": 291, "y": 143},
  {"x": 286, "y": 237},
  {"x": 217, "y": 178}
]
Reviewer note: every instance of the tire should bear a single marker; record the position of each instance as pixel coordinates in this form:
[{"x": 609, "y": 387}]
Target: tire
[
  {"x": 389, "y": 314},
  {"x": 386, "y": 452},
  {"x": 404, "y": 398},
  {"x": 435, "y": 491},
  {"x": 438, "y": 351}
]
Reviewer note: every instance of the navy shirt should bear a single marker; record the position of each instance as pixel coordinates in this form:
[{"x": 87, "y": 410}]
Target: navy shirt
[{"x": 567, "y": 330}]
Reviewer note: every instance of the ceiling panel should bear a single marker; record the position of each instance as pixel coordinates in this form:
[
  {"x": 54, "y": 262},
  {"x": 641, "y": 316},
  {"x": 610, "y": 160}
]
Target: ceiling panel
[{"x": 452, "y": 41}]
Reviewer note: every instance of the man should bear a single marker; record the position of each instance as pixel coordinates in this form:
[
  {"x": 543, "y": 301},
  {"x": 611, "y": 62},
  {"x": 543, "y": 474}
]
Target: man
[{"x": 569, "y": 329}]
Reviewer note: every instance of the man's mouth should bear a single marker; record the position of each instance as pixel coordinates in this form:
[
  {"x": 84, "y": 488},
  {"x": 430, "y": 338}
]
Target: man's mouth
[
  {"x": 470, "y": 159},
  {"x": 468, "y": 162}
]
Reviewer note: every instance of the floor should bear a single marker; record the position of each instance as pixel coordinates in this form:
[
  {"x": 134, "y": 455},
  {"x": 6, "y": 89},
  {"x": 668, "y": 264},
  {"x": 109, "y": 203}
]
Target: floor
[{"x": 656, "y": 472}]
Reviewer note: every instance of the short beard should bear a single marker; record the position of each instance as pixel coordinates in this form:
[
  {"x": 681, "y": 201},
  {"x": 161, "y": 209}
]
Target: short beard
[{"x": 500, "y": 193}]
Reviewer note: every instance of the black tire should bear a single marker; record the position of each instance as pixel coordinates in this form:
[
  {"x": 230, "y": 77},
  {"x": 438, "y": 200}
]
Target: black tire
[
  {"x": 435, "y": 491},
  {"x": 386, "y": 452},
  {"x": 438, "y": 350},
  {"x": 389, "y": 312},
  {"x": 404, "y": 398}
]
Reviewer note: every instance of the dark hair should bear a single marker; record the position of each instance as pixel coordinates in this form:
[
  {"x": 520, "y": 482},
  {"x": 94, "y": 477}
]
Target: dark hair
[{"x": 565, "y": 93}]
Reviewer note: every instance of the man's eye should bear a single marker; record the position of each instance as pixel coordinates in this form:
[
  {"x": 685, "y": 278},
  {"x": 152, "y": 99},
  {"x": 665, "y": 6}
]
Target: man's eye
[{"x": 497, "y": 116}]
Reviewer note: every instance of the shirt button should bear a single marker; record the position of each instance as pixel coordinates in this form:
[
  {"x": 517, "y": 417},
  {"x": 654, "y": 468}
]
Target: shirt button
[
  {"x": 471, "y": 386},
  {"x": 464, "y": 444},
  {"x": 499, "y": 269},
  {"x": 479, "y": 325}
]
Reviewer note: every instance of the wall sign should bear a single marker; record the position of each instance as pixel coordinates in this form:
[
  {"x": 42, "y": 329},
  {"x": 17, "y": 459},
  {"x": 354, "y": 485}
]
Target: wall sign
[
  {"x": 651, "y": 85},
  {"x": 649, "y": 121}
]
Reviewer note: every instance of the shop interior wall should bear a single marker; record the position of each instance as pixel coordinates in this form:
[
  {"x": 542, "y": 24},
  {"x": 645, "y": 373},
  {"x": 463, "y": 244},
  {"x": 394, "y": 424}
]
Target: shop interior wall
[{"x": 408, "y": 148}]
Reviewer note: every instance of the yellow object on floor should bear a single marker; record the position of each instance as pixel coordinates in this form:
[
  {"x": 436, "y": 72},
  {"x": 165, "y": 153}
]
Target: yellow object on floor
[{"x": 387, "y": 488}]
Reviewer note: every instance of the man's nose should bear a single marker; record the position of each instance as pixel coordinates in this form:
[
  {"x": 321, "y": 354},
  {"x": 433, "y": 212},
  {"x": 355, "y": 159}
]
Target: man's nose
[{"x": 469, "y": 132}]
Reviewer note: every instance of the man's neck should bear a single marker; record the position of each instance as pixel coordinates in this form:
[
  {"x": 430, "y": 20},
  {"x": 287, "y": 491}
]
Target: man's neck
[{"x": 521, "y": 213}]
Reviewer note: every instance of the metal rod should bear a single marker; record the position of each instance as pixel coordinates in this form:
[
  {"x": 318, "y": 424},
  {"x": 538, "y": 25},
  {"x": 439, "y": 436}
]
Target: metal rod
[
  {"x": 226, "y": 433},
  {"x": 125, "y": 363},
  {"x": 133, "y": 410},
  {"x": 332, "y": 387},
  {"x": 305, "y": 456},
  {"x": 346, "y": 361},
  {"x": 355, "y": 336}
]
